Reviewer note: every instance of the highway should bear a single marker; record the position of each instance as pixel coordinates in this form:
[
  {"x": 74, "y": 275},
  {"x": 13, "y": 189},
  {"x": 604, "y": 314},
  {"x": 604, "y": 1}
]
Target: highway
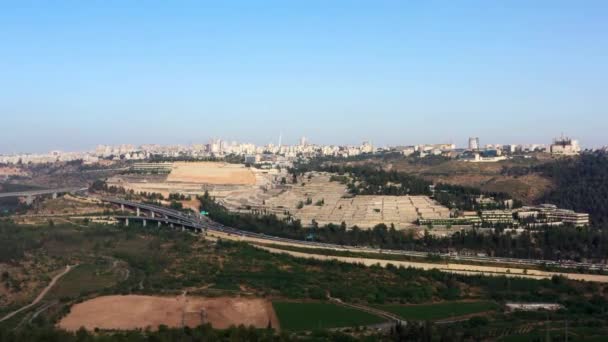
[
  {"x": 208, "y": 224},
  {"x": 40, "y": 192}
]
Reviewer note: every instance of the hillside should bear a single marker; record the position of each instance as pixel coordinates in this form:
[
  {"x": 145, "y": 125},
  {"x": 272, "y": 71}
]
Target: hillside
[
  {"x": 488, "y": 177},
  {"x": 581, "y": 184}
]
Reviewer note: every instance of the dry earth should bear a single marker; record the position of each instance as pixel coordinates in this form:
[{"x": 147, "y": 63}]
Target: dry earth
[
  {"x": 211, "y": 173},
  {"x": 11, "y": 171},
  {"x": 135, "y": 311}
]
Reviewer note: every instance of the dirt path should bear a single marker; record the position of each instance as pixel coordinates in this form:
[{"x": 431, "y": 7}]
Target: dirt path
[
  {"x": 68, "y": 268},
  {"x": 449, "y": 267},
  {"x": 374, "y": 311}
]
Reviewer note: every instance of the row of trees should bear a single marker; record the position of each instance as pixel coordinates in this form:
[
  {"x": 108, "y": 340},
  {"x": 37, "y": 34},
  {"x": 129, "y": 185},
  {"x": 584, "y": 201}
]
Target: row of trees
[
  {"x": 581, "y": 184},
  {"x": 554, "y": 243},
  {"x": 371, "y": 179}
]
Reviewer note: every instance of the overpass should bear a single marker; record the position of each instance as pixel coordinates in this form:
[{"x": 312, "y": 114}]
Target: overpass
[
  {"x": 153, "y": 213},
  {"x": 203, "y": 224},
  {"x": 31, "y": 194},
  {"x": 160, "y": 221}
]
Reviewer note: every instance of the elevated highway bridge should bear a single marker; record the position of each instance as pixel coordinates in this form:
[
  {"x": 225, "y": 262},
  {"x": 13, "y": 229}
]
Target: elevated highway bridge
[
  {"x": 31, "y": 194},
  {"x": 202, "y": 224}
]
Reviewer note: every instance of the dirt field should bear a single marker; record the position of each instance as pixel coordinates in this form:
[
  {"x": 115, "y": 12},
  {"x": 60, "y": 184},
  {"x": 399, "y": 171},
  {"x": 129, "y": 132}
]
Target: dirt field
[
  {"x": 135, "y": 311},
  {"x": 11, "y": 171},
  {"x": 211, "y": 173}
]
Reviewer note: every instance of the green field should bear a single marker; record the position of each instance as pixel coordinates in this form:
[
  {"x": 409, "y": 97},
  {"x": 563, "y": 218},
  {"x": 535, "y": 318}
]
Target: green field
[
  {"x": 438, "y": 311},
  {"x": 83, "y": 279},
  {"x": 310, "y": 316}
]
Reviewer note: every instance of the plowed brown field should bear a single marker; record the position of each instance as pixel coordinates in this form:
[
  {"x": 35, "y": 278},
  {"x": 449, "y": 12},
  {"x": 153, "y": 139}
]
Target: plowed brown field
[{"x": 135, "y": 311}]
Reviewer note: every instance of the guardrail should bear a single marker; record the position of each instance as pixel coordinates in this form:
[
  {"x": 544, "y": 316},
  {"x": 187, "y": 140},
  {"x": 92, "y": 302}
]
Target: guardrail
[{"x": 207, "y": 223}]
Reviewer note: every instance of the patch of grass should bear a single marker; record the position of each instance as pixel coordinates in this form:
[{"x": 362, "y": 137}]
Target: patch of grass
[
  {"x": 225, "y": 284},
  {"x": 10, "y": 187},
  {"x": 438, "y": 311},
  {"x": 83, "y": 279},
  {"x": 319, "y": 315}
]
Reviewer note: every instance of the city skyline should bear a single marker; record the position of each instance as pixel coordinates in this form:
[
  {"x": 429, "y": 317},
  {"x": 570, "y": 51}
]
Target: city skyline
[
  {"x": 76, "y": 75},
  {"x": 464, "y": 144}
]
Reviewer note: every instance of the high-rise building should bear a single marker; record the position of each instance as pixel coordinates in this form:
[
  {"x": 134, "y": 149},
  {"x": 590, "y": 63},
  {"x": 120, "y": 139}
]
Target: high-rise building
[
  {"x": 565, "y": 146},
  {"x": 473, "y": 143},
  {"x": 303, "y": 141}
]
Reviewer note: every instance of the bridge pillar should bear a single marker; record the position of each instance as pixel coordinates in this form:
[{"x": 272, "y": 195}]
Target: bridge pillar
[
  {"x": 54, "y": 195},
  {"x": 127, "y": 222},
  {"x": 122, "y": 208},
  {"x": 151, "y": 214},
  {"x": 144, "y": 222},
  {"x": 171, "y": 225},
  {"x": 137, "y": 209},
  {"x": 29, "y": 200},
  {"x": 158, "y": 224},
  {"x": 183, "y": 228}
]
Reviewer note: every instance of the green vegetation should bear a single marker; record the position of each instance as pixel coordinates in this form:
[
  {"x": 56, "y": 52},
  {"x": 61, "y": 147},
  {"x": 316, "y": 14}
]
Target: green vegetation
[
  {"x": 372, "y": 179},
  {"x": 85, "y": 279},
  {"x": 296, "y": 316},
  {"x": 437, "y": 311},
  {"x": 581, "y": 185},
  {"x": 202, "y": 333},
  {"x": 10, "y": 187},
  {"x": 554, "y": 243},
  {"x": 168, "y": 262}
]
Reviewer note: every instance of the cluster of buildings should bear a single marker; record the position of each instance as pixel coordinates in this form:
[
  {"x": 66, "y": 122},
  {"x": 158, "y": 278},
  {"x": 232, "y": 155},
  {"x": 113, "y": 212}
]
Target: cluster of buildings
[
  {"x": 220, "y": 148},
  {"x": 476, "y": 153},
  {"x": 563, "y": 146},
  {"x": 44, "y": 158},
  {"x": 528, "y": 216},
  {"x": 276, "y": 153}
]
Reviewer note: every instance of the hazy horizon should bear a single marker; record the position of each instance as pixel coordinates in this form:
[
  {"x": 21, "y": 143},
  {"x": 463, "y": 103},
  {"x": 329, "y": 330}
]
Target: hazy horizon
[{"x": 75, "y": 75}]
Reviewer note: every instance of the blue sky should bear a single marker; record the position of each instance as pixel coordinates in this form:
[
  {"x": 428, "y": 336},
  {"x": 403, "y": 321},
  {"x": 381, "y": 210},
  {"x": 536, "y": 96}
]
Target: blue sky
[{"x": 75, "y": 74}]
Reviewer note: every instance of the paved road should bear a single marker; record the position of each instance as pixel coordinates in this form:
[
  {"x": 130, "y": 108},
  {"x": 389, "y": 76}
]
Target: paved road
[
  {"x": 450, "y": 267},
  {"x": 40, "y": 192},
  {"x": 68, "y": 268},
  {"x": 206, "y": 223}
]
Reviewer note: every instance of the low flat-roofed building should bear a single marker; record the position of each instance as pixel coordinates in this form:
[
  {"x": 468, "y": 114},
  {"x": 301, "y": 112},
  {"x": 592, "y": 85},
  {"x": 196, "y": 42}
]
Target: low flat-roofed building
[
  {"x": 497, "y": 216},
  {"x": 450, "y": 221},
  {"x": 550, "y": 213},
  {"x": 152, "y": 167},
  {"x": 533, "y": 306},
  {"x": 569, "y": 217}
]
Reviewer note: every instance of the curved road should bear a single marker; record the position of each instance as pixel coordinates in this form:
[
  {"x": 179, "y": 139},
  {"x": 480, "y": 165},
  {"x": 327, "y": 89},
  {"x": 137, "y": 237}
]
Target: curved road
[
  {"x": 205, "y": 223},
  {"x": 68, "y": 268},
  {"x": 450, "y": 267}
]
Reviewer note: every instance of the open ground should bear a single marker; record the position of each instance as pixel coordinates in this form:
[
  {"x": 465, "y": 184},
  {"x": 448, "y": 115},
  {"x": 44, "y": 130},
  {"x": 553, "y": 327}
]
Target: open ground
[
  {"x": 136, "y": 311},
  {"x": 315, "y": 198},
  {"x": 211, "y": 173},
  {"x": 221, "y": 180}
]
